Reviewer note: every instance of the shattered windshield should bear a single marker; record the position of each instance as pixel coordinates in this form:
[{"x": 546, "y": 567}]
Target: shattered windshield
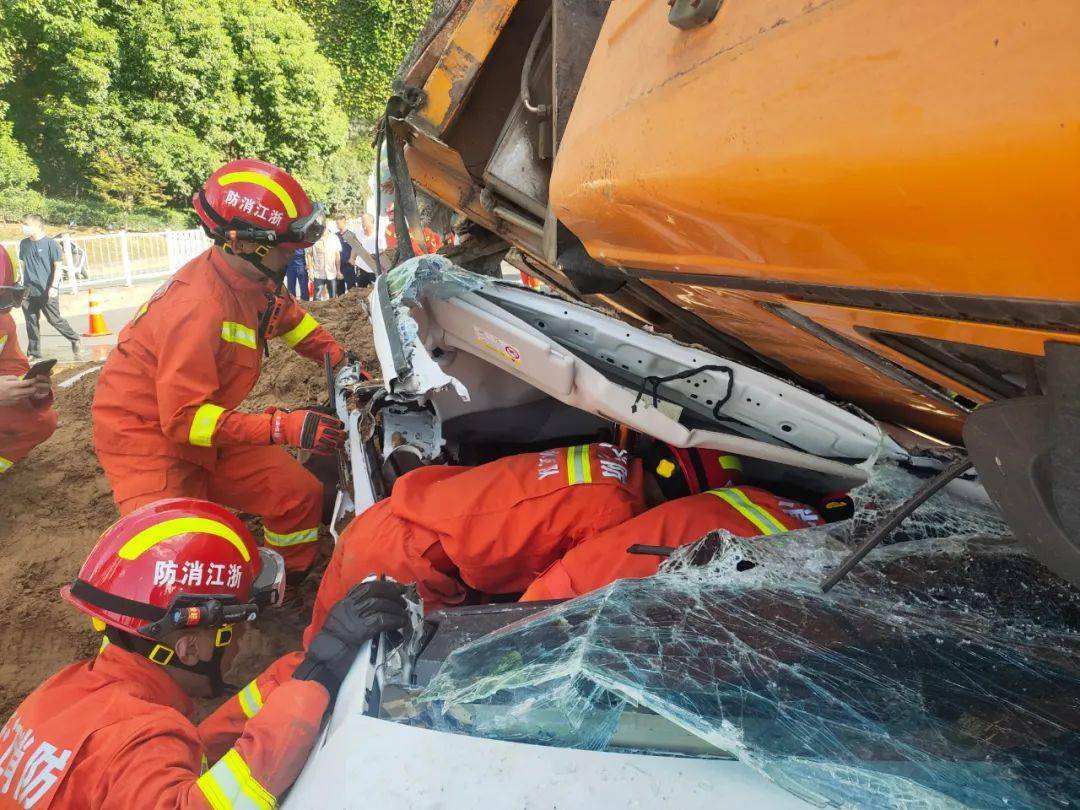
[{"x": 943, "y": 671}]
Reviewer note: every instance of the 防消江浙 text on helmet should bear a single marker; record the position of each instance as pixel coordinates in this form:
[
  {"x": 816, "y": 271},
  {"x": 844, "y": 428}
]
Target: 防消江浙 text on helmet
[{"x": 255, "y": 201}]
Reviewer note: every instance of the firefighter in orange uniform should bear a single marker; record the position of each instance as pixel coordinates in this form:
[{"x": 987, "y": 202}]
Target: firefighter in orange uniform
[
  {"x": 27, "y": 417},
  {"x": 464, "y": 533},
  {"x": 170, "y": 585},
  {"x": 164, "y": 413},
  {"x": 690, "y": 515}
]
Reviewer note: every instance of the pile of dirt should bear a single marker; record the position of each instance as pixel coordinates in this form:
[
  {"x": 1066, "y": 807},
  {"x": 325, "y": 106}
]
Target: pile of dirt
[
  {"x": 287, "y": 383},
  {"x": 54, "y": 505}
]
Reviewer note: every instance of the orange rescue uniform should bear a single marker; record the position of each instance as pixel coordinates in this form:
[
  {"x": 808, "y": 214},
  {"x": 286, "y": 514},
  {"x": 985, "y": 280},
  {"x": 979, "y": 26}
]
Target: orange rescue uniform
[
  {"x": 164, "y": 418},
  {"x": 743, "y": 511},
  {"x": 462, "y": 532},
  {"x": 113, "y": 732},
  {"x": 26, "y": 425}
]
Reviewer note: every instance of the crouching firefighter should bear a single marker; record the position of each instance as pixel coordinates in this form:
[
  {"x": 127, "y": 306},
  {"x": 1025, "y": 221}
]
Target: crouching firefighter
[
  {"x": 165, "y": 418},
  {"x": 171, "y": 587}
]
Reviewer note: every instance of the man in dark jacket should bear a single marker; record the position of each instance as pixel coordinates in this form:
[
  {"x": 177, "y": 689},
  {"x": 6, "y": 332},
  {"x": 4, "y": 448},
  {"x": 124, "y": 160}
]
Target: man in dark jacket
[{"x": 39, "y": 256}]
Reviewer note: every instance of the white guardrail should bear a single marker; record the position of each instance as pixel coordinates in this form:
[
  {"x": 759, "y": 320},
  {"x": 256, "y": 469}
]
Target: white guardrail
[{"x": 122, "y": 258}]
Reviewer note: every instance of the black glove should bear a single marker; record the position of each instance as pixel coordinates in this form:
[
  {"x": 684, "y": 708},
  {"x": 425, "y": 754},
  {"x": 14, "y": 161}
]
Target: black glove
[{"x": 368, "y": 609}]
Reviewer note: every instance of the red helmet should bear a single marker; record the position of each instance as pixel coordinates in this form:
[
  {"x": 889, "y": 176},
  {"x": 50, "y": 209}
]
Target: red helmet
[
  {"x": 683, "y": 471},
  {"x": 175, "y": 563},
  {"x": 11, "y": 292},
  {"x": 257, "y": 202}
]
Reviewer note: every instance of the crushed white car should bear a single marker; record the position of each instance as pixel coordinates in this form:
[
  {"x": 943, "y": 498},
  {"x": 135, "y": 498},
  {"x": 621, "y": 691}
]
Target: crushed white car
[{"x": 944, "y": 671}]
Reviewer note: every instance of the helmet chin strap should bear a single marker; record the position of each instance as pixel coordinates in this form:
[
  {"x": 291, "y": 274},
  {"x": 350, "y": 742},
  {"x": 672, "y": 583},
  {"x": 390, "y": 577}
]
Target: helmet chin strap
[
  {"x": 165, "y": 656},
  {"x": 255, "y": 259}
]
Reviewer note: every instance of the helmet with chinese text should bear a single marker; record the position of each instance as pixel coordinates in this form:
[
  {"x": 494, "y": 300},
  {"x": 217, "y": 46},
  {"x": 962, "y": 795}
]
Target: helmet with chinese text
[
  {"x": 168, "y": 551},
  {"x": 255, "y": 201}
]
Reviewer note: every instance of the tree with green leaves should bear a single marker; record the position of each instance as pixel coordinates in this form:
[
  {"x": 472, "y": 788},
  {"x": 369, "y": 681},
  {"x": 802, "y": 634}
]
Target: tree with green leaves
[
  {"x": 167, "y": 90},
  {"x": 123, "y": 180},
  {"x": 177, "y": 86},
  {"x": 366, "y": 40},
  {"x": 17, "y": 170}
]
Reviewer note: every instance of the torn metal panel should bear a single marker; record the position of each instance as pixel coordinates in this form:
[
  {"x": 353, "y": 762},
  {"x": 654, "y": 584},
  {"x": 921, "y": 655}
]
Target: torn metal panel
[
  {"x": 452, "y": 78},
  {"x": 591, "y": 361},
  {"x": 944, "y": 672},
  {"x": 407, "y": 367}
]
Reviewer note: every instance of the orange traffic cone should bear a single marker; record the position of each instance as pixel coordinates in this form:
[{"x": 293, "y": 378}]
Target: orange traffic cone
[{"x": 98, "y": 327}]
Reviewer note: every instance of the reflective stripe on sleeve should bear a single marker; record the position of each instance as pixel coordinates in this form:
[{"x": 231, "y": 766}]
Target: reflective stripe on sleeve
[
  {"x": 3, "y": 342},
  {"x": 758, "y": 516},
  {"x": 291, "y": 538},
  {"x": 306, "y": 326},
  {"x": 229, "y": 785},
  {"x": 238, "y": 333},
  {"x": 5, "y": 464},
  {"x": 204, "y": 424},
  {"x": 250, "y": 700},
  {"x": 578, "y": 465}
]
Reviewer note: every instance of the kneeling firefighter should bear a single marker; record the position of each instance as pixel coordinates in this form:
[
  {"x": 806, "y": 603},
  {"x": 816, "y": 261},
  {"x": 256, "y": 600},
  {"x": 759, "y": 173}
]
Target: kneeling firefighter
[
  {"x": 171, "y": 586},
  {"x": 165, "y": 418}
]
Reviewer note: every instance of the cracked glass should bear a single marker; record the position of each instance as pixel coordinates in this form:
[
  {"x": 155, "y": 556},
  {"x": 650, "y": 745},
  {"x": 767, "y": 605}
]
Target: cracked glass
[{"x": 944, "y": 671}]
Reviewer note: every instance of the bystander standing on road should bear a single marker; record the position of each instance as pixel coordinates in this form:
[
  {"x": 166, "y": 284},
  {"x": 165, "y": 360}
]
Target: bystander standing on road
[
  {"x": 296, "y": 277},
  {"x": 323, "y": 263},
  {"x": 350, "y": 247},
  {"x": 40, "y": 256},
  {"x": 366, "y": 267}
]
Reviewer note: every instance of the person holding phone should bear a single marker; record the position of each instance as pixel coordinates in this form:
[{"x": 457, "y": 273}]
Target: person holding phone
[{"x": 27, "y": 417}]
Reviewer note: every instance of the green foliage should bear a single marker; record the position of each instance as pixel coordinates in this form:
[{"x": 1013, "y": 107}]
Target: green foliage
[
  {"x": 126, "y": 100},
  {"x": 341, "y": 182},
  {"x": 290, "y": 87},
  {"x": 15, "y": 203},
  {"x": 17, "y": 170},
  {"x": 123, "y": 181},
  {"x": 175, "y": 86},
  {"x": 366, "y": 40}
]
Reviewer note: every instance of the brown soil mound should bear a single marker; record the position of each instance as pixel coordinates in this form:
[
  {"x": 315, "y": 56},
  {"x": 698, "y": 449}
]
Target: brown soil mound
[
  {"x": 291, "y": 384},
  {"x": 55, "y": 503}
]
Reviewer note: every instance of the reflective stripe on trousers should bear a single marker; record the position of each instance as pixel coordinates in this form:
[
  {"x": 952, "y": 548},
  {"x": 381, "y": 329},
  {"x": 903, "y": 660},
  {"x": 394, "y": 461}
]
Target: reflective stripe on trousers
[
  {"x": 292, "y": 538},
  {"x": 757, "y": 515},
  {"x": 5, "y": 464},
  {"x": 229, "y": 785}
]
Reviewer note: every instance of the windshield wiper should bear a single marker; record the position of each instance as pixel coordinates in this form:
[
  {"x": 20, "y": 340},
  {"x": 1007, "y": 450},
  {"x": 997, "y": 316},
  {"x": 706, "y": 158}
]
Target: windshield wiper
[{"x": 899, "y": 515}]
